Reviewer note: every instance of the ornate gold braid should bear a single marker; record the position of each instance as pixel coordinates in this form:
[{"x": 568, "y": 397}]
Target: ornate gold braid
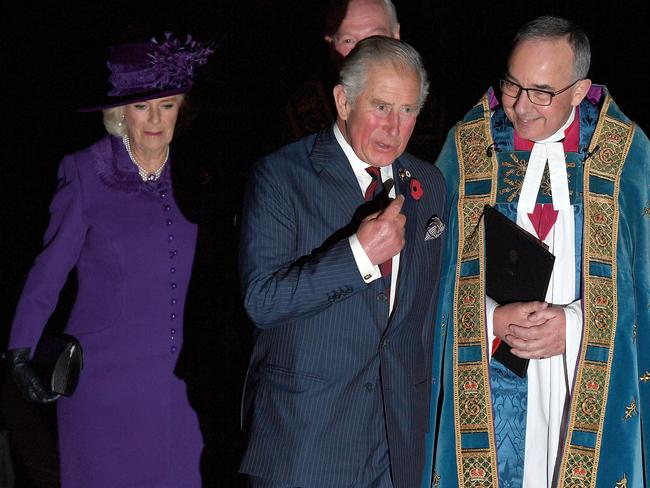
[
  {"x": 613, "y": 138},
  {"x": 472, "y": 402}
]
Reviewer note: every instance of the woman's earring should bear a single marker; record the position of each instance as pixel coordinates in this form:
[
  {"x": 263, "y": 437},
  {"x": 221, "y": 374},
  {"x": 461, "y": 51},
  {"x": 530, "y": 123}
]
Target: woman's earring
[{"x": 121, "y": 122}]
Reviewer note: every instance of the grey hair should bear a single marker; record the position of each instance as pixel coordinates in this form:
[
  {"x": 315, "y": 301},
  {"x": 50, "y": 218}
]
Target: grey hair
[
  {"x": 549, "y": 27},
  {"x": 114, "y": 118},
  {"x": 379, "y": 50},
  {"x": 392, "y": 12},
  {"x": 337, "y": 10}
]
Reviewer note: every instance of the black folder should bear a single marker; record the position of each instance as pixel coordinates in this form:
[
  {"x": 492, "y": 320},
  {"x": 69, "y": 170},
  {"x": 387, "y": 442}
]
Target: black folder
[{"x": 518, "y": 269}]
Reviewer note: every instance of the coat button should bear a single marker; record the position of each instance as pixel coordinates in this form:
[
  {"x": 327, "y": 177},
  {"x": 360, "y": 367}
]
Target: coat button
[
  {"x": 163, "y": 194},
  {"x": 172, "y": 332},
  {"x": 381, "y": 296},
  {"x": 167, "y": 208},
  {"x": 174, "y": 285},
  {"x": 172, "y": 270},
  {"x": 169, "y": 222},
  {"x": 174, "y": 301},
  {"x": 170, "y": 237},
  {"x": 369, "y": 386},
  {"x": 172, "y": 316},
  {"x": 173, "y": 348}
]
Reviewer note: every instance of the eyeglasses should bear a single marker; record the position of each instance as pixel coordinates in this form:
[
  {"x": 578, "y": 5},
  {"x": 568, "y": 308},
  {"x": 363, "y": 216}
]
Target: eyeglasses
[{"x": 536, "y": 96}]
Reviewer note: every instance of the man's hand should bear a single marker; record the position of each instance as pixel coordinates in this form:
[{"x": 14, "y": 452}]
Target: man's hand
[
  {"x": 518, "y": 313},
  {"x": 381, "y": 234},
  {"x": 539, "y": 341}
]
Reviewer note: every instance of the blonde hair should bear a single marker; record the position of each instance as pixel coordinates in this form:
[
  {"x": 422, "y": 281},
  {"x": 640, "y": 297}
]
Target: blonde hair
[{"x": 114, "y": 121}]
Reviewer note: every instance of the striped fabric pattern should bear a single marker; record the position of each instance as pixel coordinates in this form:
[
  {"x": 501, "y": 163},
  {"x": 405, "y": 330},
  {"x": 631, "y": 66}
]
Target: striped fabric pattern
[{"x": 330, "y": 367}]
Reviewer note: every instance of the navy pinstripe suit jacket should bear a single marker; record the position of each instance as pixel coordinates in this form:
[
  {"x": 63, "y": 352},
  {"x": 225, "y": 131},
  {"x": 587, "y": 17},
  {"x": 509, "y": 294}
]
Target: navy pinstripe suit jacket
[{"x": 329, "y": 365}]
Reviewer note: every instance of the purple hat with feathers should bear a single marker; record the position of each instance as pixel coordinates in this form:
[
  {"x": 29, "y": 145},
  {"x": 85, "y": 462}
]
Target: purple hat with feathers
[{"x": 145, "y": 71}]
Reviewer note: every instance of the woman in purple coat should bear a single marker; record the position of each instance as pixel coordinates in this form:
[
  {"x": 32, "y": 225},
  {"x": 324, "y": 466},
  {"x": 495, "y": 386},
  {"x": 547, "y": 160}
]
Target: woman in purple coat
[{"x": 115, "y": 219}]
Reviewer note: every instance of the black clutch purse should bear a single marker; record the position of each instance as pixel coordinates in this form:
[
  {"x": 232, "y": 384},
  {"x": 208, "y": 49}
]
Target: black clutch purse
[{"x": 58, "y": 360}]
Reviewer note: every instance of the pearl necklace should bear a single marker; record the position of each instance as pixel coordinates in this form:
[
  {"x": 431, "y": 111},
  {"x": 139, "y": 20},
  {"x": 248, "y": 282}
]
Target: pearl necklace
[{"x": 144, "y": 174}]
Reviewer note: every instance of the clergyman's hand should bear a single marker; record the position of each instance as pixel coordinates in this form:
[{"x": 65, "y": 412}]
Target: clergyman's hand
[
  {"x": 540, "y": 341},
  {"x": 518, "y": 313},
  {"x": 381, "y": 234}
]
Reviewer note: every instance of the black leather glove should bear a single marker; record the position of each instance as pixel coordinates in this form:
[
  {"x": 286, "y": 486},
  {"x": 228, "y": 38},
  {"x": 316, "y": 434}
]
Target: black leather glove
[{"x": 26, "y": 377}]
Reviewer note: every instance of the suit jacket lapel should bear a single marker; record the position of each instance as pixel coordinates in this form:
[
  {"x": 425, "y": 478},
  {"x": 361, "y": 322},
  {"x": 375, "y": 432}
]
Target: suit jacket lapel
[
  {"x": 409, "y": 209},
  {"x": 335, "y": 173}
]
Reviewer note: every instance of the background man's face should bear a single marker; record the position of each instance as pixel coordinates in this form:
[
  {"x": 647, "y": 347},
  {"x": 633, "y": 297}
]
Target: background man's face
[
  {"x": 547, "y": 65},
  {"x": 379, "y": 125},
  {"x": 363, "y": 18}
]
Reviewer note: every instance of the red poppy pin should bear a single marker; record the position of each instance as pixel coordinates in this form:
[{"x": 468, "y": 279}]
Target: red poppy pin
[
  {"x": 414, "y": 185},
  {"x": 416, "y": 189}
]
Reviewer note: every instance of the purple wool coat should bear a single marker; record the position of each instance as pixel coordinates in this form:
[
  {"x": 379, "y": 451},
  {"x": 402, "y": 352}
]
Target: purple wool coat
[{"x": 129, "y": 423}]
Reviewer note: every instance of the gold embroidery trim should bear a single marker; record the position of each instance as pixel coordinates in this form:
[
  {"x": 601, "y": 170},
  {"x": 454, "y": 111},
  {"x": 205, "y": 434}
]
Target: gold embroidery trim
[
  {"x": 472, "y": 404},
  {"x": 588, "y": 403}
]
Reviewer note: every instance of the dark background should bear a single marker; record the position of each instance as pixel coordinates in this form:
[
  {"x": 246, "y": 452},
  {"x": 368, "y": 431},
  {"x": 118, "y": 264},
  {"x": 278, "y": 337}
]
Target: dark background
[{"x": 53, "y": 62}]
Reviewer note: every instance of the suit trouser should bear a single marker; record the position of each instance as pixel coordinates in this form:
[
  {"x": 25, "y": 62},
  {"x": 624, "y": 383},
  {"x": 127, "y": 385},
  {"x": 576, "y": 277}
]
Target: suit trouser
[{"x": 254, "y": 482}]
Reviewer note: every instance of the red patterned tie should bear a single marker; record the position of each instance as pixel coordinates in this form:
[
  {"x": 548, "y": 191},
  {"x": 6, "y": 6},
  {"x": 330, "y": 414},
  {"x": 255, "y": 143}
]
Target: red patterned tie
[{"x": 387, "y": 266}]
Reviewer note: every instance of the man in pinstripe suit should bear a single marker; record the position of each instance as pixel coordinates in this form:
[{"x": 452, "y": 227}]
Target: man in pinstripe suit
[{"x": 338, "y": 384}]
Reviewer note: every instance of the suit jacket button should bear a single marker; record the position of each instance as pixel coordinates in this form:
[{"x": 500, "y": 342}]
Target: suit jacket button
[
  {"x": 381, "y": 296},
  {"x": 369, "y": 386}
]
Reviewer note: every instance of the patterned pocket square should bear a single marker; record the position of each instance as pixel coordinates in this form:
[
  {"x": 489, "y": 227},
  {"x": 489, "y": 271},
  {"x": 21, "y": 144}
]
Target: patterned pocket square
[{"x": 435, "y": 227}]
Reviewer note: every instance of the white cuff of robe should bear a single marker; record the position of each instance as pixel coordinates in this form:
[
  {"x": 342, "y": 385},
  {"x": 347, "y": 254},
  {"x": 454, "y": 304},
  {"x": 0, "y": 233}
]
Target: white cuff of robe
[
  {"x": 490, "y": 307},
  {"x": 369, "y": 272},
  {"x": 573, "y": 317}
]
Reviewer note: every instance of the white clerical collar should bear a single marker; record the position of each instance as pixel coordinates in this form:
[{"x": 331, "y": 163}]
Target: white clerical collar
[
  {"x": 551, "y": 150},
  {"x": 358, "y": 165}
]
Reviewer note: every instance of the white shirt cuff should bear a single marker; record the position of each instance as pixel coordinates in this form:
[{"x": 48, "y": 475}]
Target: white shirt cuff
[{"x": 369, "y": 272}]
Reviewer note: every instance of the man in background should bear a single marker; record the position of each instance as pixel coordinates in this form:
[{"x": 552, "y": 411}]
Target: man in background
[{"x": 310, "y": 107}]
